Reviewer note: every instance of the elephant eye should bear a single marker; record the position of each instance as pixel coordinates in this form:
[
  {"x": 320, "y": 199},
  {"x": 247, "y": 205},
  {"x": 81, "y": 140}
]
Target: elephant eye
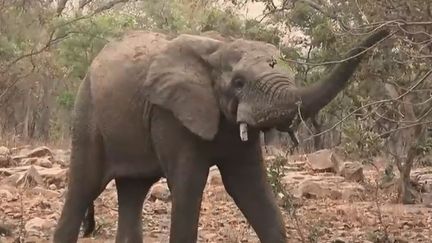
[
  {"x": 272, "y": 62},
  {"x": 238, "y": 83}
]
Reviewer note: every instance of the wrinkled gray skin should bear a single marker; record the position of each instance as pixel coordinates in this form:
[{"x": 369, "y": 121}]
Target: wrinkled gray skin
[{"x": 151, "y": 107}]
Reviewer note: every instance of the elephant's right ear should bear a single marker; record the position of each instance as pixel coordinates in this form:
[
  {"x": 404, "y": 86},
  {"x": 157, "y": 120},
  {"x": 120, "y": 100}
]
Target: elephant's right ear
[{"x": 179, "y": 79}]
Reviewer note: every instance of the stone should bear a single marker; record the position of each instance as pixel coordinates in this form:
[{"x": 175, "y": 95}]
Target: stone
[
  {"x": 353, "y": 192},
  {"x": 161, "y": 192},
  {"x": 322, "y": 160},
  {"x": 28, "y": 161},
  {"x": 352, "y": 171},
  {"x": 30, "y": 178},
  {"x": 5, "y": 158},
  {"x": 36, "y": 225},
  {"x": 44, "y": 162},
  {"x": 313, "y": 189},
  {"x": 61, "y": 157},
  {"x": 39, "y": 152},
  {"x": 54, "y": 175},
  {"x": 422, "y": 177},
  {"x": 52, "y": 187}
]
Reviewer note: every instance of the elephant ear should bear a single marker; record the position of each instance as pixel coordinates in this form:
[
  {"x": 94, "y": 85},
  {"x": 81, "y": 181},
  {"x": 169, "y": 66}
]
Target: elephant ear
[{"x": 179, "y": 79}]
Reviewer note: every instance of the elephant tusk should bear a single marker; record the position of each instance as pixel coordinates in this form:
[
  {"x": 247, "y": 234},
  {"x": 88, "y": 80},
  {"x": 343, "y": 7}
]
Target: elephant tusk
[{"x": 243, "y": 132}]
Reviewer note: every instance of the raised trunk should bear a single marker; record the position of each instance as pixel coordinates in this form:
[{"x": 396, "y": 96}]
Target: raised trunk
[{"x": 318, "y": 95}]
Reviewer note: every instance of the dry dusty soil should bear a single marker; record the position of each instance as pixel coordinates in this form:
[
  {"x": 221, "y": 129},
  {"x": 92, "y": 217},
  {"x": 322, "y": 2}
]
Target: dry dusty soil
[{"x": 334, "y": 202}]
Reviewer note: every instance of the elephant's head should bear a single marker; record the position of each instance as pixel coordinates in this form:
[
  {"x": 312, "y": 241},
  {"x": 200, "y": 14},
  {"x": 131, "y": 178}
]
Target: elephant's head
[{"x": 201, "y": 79}]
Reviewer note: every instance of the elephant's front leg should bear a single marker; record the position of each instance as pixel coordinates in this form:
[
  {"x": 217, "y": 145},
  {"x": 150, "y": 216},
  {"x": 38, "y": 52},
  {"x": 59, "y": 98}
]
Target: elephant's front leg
[
  {"x": 244, "y": 178},
  {"x": 186, "y": 167},
  {"x": 186, "y": 182}
]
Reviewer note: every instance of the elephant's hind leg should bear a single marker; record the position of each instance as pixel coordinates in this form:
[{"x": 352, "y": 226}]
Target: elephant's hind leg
[
  {"x": 85, "y": 184},
  {"x": 89, "y": 223},
  {"x": 86, "y": 169},
  {"x": 131, "y": 193}
]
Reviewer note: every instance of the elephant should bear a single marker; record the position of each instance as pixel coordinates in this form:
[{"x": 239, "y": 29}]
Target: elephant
[{"x": 154, "y": 105}]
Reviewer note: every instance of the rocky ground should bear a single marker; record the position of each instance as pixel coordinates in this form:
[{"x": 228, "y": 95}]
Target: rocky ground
[{"x": 335, "y": 201}]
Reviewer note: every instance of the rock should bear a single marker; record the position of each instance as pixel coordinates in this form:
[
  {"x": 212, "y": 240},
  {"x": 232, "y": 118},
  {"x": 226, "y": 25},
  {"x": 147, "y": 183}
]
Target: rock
[
  {"x": 352, "y": 192},
  {"x": 54, "y": 175},
  {"x": 39, "y": 152},
  {"x": 5, "y": 159},
  {"x": 160, "y": 192},
  {"x": 352, "y": 171},
  {"x": 44, "y": 162},
  {"x": 313, "y": 189},
  {"x": 36, "y": 225},
  {"x": 62, "y": 157},
  {"x": 322, "y": 160},
  {"x": 52, "y": 187},
  {"x": 422, "y": 177},
  {"x": 28, "y": 161},
  {"x": 30, "y": 178}
]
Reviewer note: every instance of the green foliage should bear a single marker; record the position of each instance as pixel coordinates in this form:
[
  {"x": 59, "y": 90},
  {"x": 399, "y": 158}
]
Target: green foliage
[
  {"x": 66, "y": 99},
  {"x": 275, "y": 173},
  {"x": 361, "y": 141},
  {"x": 302, "y": 15},
  {"x": 8, "y": 48},
  {"x": 223, "y": 22},
  {"x": 86, "y": 38}
]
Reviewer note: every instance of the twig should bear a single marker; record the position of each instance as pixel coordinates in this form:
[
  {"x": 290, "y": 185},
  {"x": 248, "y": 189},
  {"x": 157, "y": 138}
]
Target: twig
[
  {"x": 405, "y": 127},
  {"x": 338, "y": 61}
]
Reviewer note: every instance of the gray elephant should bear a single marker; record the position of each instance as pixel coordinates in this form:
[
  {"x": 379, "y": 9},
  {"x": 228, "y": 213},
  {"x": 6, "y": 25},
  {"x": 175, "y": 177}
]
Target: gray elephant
[{"x": 155, "y": 106}]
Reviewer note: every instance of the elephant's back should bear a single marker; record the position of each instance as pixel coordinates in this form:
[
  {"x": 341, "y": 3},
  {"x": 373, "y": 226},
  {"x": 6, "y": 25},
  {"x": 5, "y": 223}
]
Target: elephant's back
[
  {"x": 125, "y": 60},
  {"x": 116, "y": 74}
]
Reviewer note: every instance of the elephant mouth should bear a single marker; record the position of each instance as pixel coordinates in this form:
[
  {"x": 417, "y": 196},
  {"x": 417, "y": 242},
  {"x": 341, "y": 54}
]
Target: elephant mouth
[
  {"x": 245, "y": 117},
  {"x": 261, "y": 120}
]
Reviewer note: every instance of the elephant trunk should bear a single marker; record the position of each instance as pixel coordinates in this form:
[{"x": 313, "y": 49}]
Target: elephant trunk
[
  {"x": 276, "y": 103},
  {"x": 318, "y": 95}
]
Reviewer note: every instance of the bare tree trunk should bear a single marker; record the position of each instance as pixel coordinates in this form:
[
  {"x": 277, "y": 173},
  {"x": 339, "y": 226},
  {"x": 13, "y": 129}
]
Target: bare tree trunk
[
  {"x": 406, "y": 193},
  {"x": 27, "y": 116},
  {"x": 403, "y": 146},
  {"x": 318, "y": 140},
  {"x": 43, "y": 124}
]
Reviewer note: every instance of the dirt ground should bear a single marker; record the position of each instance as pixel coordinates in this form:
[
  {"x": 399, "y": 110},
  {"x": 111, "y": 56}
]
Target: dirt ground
[{"x": 330, "y": 207}]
